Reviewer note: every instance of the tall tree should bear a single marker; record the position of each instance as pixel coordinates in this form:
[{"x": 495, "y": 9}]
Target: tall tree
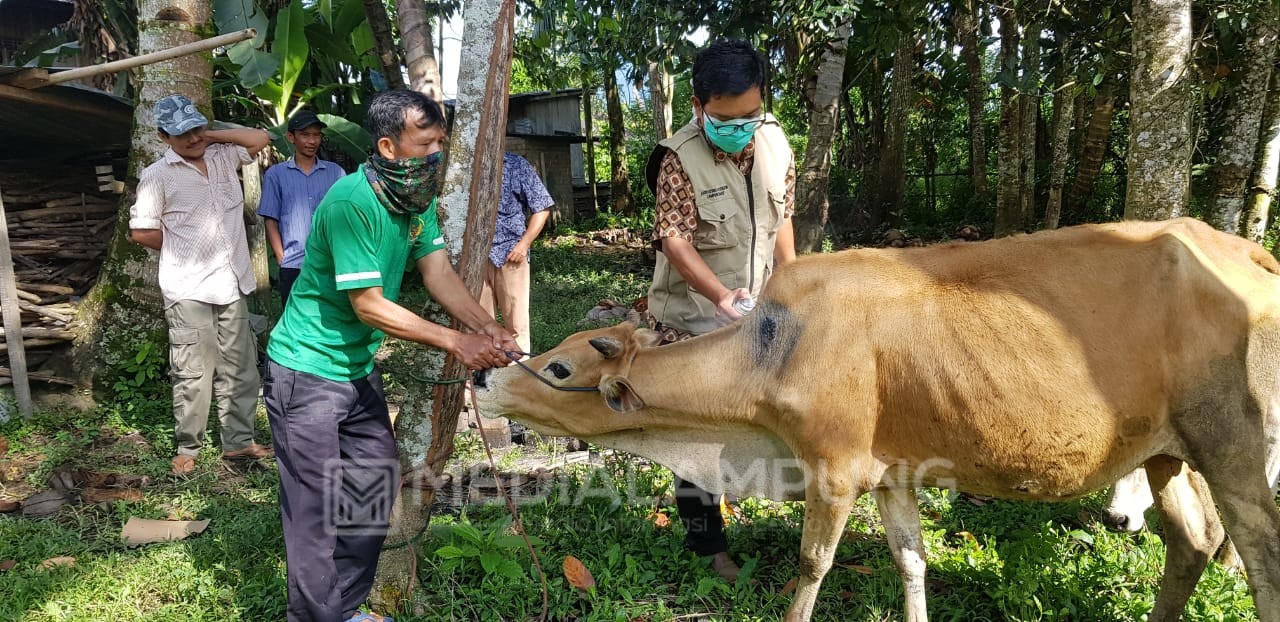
[
  {"x": 1029, "y": 99},
  {"x": 892, "y": 174},
  {"x": 662, "y": 88},
  {"x": 1093, "y": 150},
  {"x": 1262, "y": 184},
  {"x": 1009, "y": 149},
  {"x": 620, "y": 181},
  {"x": 966, "y": 26},
  {"x": 1239, "y": 145},
  {"x": 813, "y": 175},
  {"x": 468, "y": 208},
  {"x": 384, "y": 43},
  {"x": 419, "y": 49},
  {"x": 1160, "y": 141},
  {"x": 126, "y": 298},
  {"x": 1064, "y": 99}
]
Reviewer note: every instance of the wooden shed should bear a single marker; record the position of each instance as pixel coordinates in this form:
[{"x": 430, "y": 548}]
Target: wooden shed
[{"x": 546, "y": 128}]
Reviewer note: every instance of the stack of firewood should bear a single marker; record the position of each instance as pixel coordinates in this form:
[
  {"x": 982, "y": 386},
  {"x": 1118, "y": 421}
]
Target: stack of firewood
[{"x": 60, "y": 226}]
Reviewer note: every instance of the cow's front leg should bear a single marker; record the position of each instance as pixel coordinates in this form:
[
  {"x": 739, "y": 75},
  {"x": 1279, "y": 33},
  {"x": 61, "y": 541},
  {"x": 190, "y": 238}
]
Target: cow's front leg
[
  {"x": 824, "y": 520},
  {"x": 900, "y": 511}
]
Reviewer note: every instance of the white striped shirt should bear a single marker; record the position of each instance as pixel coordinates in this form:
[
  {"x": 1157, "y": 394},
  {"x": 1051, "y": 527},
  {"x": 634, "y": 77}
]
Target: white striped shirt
[{"x": 204, "y": 254}]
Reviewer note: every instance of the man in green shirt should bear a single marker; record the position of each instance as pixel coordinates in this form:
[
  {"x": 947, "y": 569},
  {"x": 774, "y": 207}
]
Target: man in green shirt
[{"x": 333, "y": 437}]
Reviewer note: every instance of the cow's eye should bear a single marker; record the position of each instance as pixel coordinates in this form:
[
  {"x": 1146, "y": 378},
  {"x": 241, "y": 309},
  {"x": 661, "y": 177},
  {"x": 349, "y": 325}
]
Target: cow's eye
[{"x": 559, "y": 371}]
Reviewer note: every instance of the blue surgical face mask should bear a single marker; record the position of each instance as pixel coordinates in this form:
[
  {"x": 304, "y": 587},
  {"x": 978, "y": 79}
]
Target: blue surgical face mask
[{"x": 730, "y": 136}]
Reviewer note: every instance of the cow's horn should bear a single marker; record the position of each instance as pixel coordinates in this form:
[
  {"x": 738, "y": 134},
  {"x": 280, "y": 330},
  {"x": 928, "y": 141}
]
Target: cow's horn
[{"x": 608, "y": 346}]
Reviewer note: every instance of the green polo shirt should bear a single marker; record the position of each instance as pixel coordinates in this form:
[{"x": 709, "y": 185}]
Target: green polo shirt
[{"x": 354, "y": 243}]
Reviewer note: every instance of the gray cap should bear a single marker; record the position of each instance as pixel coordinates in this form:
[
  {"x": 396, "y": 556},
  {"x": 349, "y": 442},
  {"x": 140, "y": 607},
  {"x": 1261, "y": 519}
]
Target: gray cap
[{"x": 176, "y": 115}]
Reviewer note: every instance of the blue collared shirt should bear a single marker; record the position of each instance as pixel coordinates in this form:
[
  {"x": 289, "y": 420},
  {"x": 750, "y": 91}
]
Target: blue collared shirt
[
  {"x": 521, "y": 189},
  {"x": 290, "y": 196}
]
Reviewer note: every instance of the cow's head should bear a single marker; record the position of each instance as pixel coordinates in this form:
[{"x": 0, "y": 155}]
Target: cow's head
[{"x": 580, "y": 388}]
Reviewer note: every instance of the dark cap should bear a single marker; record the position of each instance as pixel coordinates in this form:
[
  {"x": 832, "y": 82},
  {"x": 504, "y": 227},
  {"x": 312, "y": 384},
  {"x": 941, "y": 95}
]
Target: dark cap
[{"x": 303, "y": 120}]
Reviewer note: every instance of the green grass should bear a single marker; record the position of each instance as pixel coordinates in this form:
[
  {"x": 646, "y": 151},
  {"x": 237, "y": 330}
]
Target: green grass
[{"x": 1001, "y": 561}]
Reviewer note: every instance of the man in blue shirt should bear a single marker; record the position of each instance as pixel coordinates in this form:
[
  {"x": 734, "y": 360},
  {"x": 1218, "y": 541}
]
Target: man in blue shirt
[
  {"x": 506, "y": 275},
  {"x": 291, "y": 190}
]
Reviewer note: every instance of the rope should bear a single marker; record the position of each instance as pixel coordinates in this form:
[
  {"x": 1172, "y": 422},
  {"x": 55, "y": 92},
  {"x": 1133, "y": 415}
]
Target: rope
[
  {"x": 436, "y": 380},
  {"x": 511, "y": 507}
]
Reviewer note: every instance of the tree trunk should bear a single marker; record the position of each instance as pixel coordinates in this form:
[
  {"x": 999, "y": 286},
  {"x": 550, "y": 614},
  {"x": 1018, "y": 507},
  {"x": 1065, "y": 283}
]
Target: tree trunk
[
  {"x": 1092, "y": 151},
  {"x": 619, "y": 183},
  {"x": 1244, "y": 123},
  {"x": 589, "y": 167},
  {"x": 1009, "y": 148},
  {"x": 384, "y": 44},
  {"x": 1030, "y": 99},
  {"x": 892, "y": 178},
  {"x": 262, "y": 301},
  {"x": 971, "y": 54},
  {"x": 125, "y": 301},
  {"x": 468, "y": 210},
  {"x": 813, "y": 176},
  {"x": 1159, "y": 160},
  {"x": 1063, "y": 115},
  {"x": 1262, "y": 185},
  {"x": 419, "y": 49},
  {"x": 662, "y": 88}
]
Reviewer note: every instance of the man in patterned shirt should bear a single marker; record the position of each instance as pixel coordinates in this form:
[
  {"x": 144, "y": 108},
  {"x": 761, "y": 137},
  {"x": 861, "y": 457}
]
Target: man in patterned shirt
[
  {"x": 506, "y": 276},
  {"x": 725, "y": 189},
  {"x": 190, "y": 207}
]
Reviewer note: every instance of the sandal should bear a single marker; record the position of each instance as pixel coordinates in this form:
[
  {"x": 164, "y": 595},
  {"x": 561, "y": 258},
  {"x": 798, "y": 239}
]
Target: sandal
[
  {"x": 365, "y": 616},
  {"x": 182, "y": 464},
  {"x": 254, "y": 451}
]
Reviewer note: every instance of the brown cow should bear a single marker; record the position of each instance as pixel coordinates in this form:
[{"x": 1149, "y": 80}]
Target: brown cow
[{"x": 1035, "y": 367}]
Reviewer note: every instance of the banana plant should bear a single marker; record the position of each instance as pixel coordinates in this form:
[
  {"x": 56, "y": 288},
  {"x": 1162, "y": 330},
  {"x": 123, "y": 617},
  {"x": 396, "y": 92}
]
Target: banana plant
[{"x": 280, "y": 78}]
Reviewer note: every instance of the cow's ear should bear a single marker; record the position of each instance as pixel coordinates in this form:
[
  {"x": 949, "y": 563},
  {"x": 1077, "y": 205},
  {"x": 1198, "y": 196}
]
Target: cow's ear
[
  {"x": 647, "y": 338},
  {"x": 619, "y": 395},
  {"x": 608, "y": 346}
]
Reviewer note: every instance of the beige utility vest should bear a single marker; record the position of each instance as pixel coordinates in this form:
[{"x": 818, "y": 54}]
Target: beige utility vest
[{"x": 738, "y": 222}]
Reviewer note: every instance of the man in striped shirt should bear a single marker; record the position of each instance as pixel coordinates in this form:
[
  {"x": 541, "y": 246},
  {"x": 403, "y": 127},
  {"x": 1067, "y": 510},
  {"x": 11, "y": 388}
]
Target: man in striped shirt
[
  {"x": 190, "y": 207},
  {"x": 291, "y": 190}
]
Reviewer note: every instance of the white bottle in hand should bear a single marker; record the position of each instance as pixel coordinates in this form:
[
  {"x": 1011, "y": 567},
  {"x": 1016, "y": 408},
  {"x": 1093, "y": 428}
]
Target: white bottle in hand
[{"x": 744, "y": 305}]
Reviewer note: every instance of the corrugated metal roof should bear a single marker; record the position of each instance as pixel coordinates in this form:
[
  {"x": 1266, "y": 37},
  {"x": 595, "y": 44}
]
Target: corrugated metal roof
[{"x": 61, "y": 121}]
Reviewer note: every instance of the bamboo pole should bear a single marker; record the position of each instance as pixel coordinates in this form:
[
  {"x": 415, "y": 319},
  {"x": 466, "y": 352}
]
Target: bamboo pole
[
  {"x": 147, "y": 59},
  {"x": 13, "y": 321}
]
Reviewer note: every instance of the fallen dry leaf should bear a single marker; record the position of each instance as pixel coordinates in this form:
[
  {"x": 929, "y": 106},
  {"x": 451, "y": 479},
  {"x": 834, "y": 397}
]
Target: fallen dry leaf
[
  {"x": 144, "y": 531},
  {"x": 8, "y": 564},
  {"x": 845, "y": 595},
  {"x": 789, "y": 587},
  {"x": 54, "y": 562},
  {"x": 9, "y": 506},
  {"x": 577, "y": 574},
  {"x": 4, "y": 446},
  {"x": 110, "y": 495},
  {"x": 867, "y": 570},
  {"x": 660, "y": 519}
]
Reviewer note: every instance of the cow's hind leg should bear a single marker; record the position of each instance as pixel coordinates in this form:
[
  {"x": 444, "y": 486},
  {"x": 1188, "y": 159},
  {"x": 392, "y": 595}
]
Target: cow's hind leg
[
  {"x": 824, "y": 521},
  {"x": 900, "y": 511},
  {"x": 1249, "y": 511},
  {"x": 1192, "y": 532}
]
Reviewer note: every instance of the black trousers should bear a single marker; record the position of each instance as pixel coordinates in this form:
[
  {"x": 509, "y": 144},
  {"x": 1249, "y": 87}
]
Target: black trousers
[
  {"x": 699, "y": 513},
  {"x": 338, "y": 478},
  {"x": 287, "y": 277}
]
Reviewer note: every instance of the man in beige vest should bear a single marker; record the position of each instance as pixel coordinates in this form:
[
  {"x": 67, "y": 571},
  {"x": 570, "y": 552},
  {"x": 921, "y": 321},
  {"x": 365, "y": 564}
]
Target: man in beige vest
[{"x": 725, "y": 188}]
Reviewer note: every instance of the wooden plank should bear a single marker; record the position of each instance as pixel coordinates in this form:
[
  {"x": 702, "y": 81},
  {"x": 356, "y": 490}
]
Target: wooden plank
[
  {"x": 32, "y": 77},
  {"x": 13, "y": 321}
]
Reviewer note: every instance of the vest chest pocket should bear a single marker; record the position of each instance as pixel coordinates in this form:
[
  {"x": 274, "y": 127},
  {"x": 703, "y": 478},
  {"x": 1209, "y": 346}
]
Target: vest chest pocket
[
  {"x": 717, "y": 225},
  {"x": 777, "y": 204}
]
